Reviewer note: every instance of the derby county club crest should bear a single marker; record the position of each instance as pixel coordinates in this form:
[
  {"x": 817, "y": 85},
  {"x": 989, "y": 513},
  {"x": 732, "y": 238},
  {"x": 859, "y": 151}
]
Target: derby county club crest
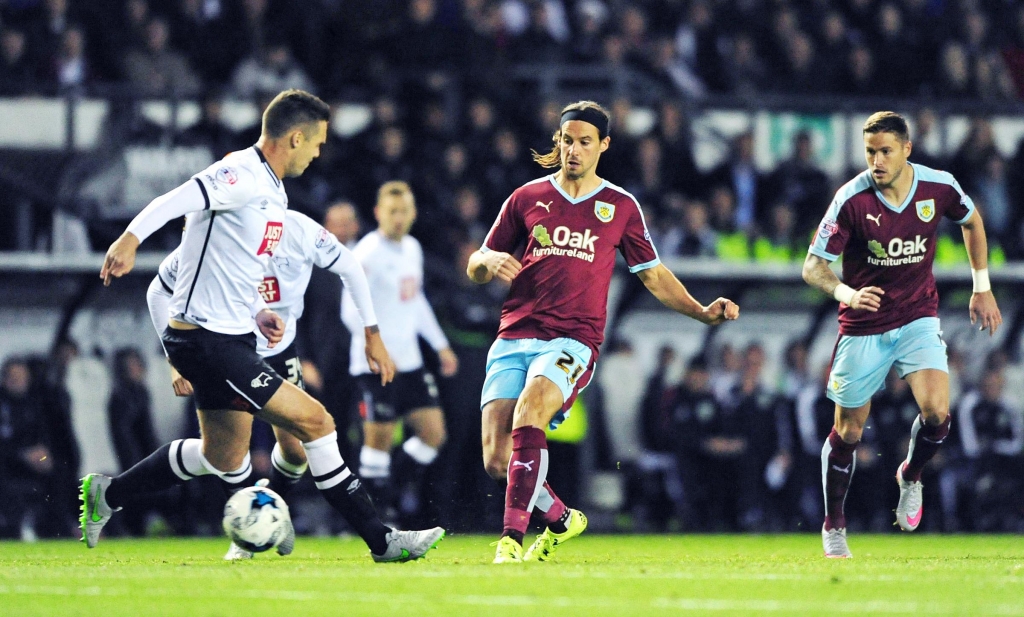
[
  {"x": 926, "y": 210},
  {"x": 604, "y": 211}
]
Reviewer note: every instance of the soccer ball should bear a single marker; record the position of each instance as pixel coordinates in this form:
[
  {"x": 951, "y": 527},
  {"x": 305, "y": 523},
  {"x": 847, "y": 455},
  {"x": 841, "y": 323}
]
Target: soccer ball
[{"x": 256, "y": 519}]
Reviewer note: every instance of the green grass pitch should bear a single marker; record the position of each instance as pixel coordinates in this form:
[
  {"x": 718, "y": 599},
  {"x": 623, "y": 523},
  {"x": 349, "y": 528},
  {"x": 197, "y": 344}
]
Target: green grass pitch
[{"x": 593, "y": 575}]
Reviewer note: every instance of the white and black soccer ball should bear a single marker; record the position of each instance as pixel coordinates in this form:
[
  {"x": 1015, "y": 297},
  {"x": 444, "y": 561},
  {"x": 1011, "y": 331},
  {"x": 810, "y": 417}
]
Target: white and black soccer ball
[{"x": 256, "y": 519}]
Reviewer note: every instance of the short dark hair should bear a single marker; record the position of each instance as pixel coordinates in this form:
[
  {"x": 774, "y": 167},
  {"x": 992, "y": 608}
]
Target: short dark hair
[
  {"x": 888, "y": 122},
  {"x": 293, "y": 108}
]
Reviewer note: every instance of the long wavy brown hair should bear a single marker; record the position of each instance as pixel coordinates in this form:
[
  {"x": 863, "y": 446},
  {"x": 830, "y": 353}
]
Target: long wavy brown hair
[{"x": 553, "y": 159}]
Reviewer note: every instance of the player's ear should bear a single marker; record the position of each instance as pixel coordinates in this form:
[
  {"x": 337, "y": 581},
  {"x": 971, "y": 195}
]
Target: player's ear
[
  {"x": 296, "y": 139},
  {"x": 607, "y": 141},
  {"x": 907, "y": 147}
]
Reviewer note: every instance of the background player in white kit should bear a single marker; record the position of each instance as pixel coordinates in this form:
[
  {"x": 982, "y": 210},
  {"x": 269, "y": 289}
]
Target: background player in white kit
[
  {"x": 304, "y": 245},
  {"x": 393, "y": 262},
  {"x": 236, "y": 215}
]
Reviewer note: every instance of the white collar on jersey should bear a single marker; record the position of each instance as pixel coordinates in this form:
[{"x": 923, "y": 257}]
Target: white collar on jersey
[
  {"x": 910, "y": 195},
  {"x": 581, "y": 198}
]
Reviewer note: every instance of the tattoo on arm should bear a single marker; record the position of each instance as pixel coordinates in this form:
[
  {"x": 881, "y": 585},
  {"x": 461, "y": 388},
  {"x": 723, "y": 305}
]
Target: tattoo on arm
[{"x": 817, "y": 274}]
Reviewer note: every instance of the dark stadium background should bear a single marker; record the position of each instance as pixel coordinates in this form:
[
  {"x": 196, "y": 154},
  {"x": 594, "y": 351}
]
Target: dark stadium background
[{"x": 734, "y": 121}]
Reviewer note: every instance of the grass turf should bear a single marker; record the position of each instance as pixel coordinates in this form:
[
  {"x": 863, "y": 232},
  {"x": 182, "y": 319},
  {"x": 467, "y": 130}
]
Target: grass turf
[{"x": 592, "y": 575}]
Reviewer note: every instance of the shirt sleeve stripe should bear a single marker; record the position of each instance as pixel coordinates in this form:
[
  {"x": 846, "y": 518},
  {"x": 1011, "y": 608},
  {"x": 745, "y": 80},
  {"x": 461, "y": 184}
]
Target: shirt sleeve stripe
[
  {"x": 970, "y": 212},
  {"x": 206, "y": 196},
  {"x": 645, "y": 266},
  {"x": 822, "y": 253},
  {"x": 334, "y": 261},
  {"x": 169, "y": 289}
]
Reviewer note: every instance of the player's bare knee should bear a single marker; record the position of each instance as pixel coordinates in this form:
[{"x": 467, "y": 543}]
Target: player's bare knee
[
  {"x": 934, "y": 414},
  {"x": 850, "y": 429},
  {"x": 496, "y": 468},
  {"x": 314, "y": 425}
]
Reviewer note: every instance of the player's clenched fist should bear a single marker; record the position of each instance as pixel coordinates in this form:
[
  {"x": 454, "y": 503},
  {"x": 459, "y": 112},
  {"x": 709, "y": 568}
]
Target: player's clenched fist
[
  {"x": 120, "y": 258},
  {"x": 722, "y": 309},
  {"x": 181, "y": 386},
  {"x": 502, "y": 265},
  {"x": 271, "y": 326}
]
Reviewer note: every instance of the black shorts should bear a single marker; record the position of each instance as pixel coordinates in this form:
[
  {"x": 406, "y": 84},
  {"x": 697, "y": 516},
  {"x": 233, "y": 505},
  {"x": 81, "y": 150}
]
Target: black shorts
[
  {"x": 287, "y": 365},
  {"x": 407, "y": 392},
  {"x": 224, "y": 369}
]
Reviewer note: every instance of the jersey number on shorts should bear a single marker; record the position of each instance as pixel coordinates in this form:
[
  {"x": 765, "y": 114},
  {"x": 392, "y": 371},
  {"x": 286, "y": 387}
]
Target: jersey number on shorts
[
  {"x": 294, "y": 371},
  {"x": 568, "y": 364}
]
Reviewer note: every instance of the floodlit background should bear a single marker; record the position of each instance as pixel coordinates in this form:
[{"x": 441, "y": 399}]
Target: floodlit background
[{"x": 734, "y": 123}]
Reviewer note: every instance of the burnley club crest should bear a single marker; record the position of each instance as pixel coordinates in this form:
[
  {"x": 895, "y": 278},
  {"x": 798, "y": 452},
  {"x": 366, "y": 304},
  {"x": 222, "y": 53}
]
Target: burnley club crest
[
  {"x": 926, "y": 210},
  {"x": 604, "y": 211}
]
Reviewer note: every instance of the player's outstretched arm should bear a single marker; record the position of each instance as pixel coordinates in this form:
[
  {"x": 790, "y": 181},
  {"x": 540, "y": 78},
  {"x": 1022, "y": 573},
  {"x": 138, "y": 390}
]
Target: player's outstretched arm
[
  {"x": 660, "y": 281},
  {"x": 817, "y": 274},
  {"x": 484, "y": 266},
  {"x": 120, "y": 258},
  {"x": 983, "y": 305},
  {"x": 377, "y": 355}
]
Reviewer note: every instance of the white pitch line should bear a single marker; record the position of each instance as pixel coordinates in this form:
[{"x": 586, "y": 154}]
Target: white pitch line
[{"x": 598, "y": 603}]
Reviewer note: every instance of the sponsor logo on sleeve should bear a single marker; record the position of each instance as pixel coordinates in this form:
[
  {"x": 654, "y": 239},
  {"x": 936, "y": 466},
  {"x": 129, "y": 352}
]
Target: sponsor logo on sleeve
[
  {"x": 322, "y": 238},
  {"x": 605, "y": 211},
  {"x": 260, "y": 381},
  {"x": 270, "y": 290},
  {"x": 228, "y": 175},
  {"x": 926, "y": 210},
  {"x": 271, "y": 238},
  {"x": 828, "y": 228}
]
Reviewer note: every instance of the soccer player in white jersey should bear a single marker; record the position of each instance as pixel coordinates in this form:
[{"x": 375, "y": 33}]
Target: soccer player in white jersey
[
  {"x": 306, "y": 244},
  {"x": 235, "y": 221},
  {"x": 884, "y": 223},
  {"x": 393, "y": 262}
]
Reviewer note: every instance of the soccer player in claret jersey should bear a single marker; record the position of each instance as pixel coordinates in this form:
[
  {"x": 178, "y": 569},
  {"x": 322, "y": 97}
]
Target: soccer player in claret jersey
[
  {"x": 305, "y": 245},
  {"x": 884, "y": 222},
  {"x": 555, "y": 241},
  {"x": 236, "y": 214}
]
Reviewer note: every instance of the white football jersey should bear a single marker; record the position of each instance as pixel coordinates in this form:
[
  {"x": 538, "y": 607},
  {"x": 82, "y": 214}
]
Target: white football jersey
[
  {"x": 225, "y": 247},
  {"x": 305, "y": 244},
  {"x": 395, "y": 273}
]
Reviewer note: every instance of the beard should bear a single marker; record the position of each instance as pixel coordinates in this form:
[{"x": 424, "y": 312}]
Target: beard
[
  {"x": 892, "y": 182},
  {"x": 573, "y": 175}
]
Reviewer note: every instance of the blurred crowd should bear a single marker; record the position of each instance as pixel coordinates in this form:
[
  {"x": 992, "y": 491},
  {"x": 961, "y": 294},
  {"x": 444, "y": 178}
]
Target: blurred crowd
[
  {"x": 718, "y": 443},
  {"x": 964, "y": 48},
  {"x": 723, "y": 449},
  {"x": 449, "y": 116}
]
